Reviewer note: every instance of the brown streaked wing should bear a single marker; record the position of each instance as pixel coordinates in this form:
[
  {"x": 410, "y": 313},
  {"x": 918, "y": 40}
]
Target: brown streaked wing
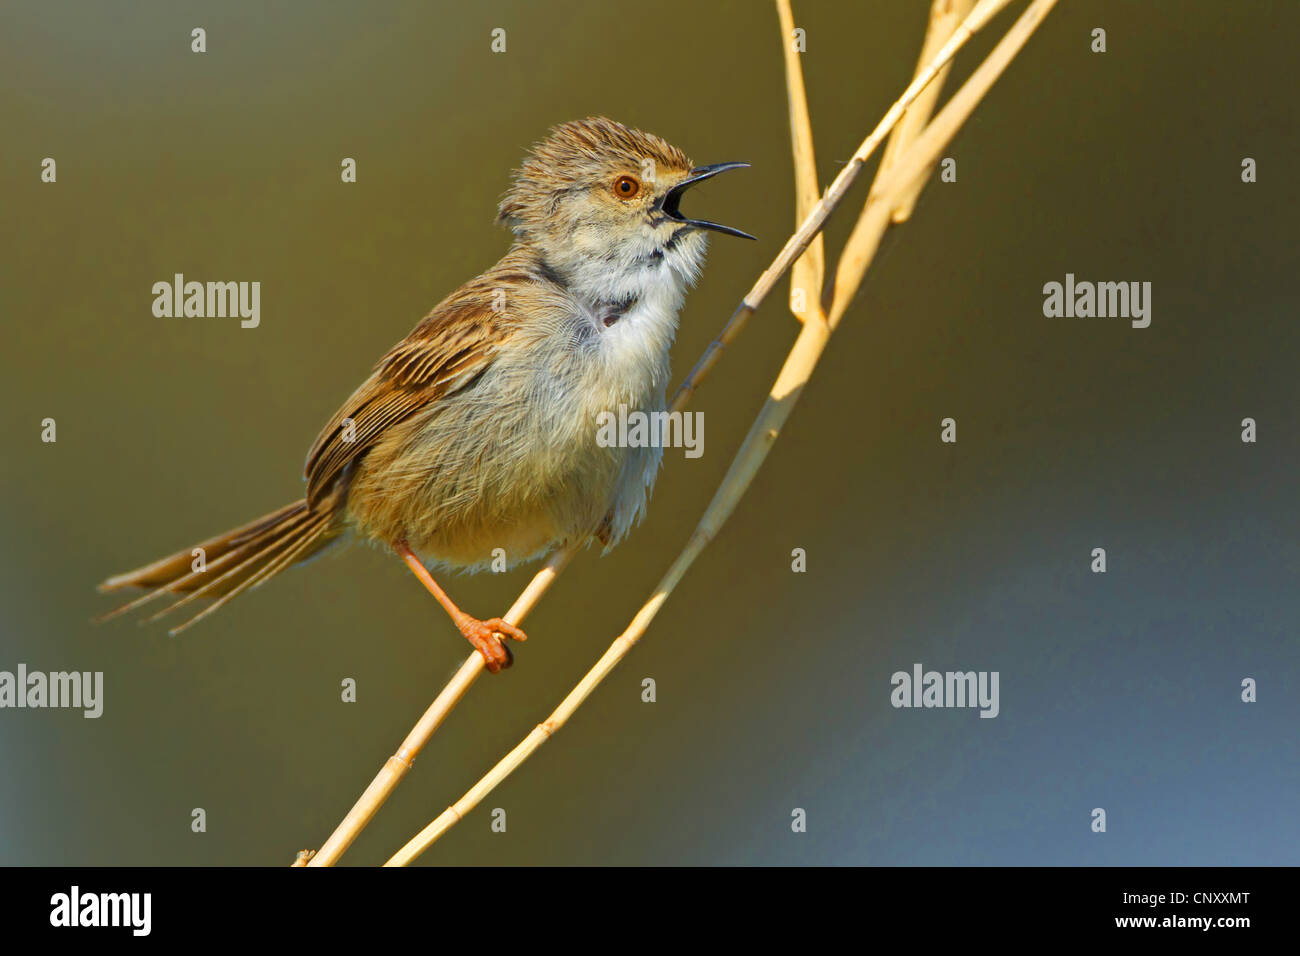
[{"x": 451, "y": 347}]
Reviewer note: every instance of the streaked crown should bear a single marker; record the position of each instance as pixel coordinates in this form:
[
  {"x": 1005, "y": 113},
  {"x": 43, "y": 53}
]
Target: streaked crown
[{"x": 586, "y": 155}]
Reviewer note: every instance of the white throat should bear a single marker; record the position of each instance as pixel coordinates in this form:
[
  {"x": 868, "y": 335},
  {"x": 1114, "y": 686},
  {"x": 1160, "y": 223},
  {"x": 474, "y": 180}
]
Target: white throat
[{"x": 635, "y": 300}]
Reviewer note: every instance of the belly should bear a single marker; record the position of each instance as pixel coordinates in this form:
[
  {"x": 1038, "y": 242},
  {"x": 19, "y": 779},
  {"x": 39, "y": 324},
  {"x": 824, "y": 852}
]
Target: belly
[{"x": 481, "y": 479}]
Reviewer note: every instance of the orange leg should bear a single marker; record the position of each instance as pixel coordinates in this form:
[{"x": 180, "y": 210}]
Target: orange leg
[{"x": 479, "y": 633}]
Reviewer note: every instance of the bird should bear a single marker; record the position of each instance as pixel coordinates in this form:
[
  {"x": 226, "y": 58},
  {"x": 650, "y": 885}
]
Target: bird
[{"x": 476, "y": 434}]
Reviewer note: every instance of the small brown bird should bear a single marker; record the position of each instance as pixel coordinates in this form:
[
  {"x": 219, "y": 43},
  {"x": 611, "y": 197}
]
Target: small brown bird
[{"x": 478, "y": 431}]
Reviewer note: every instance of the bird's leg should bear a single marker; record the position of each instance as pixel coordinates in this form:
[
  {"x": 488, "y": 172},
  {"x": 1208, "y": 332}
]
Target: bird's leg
[{"x": 482, "y": 634}]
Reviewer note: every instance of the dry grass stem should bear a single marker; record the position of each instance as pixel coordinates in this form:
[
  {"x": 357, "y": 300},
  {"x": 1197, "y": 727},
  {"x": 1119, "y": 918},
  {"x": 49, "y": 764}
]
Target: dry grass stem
[
  {"x": 945, "y": 17},
  {"x": 397, "y": 766},
  {"x": 809, "y": 270}
]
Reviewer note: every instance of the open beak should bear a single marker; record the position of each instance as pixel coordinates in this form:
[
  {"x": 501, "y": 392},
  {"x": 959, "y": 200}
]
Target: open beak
[{"x": 668, "y": 205}]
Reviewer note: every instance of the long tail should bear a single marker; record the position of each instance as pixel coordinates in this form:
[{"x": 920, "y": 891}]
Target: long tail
[{"x": 233, "y": 562}]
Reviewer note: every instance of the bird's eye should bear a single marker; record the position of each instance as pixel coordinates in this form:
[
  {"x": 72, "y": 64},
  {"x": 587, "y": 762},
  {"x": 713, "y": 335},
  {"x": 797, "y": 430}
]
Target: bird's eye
[{"x": 626, "y": 187}]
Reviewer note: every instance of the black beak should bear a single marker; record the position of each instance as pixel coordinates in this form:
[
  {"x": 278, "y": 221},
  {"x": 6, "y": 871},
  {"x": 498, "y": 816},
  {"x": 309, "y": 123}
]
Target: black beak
[{"x": 668, "y": 205}]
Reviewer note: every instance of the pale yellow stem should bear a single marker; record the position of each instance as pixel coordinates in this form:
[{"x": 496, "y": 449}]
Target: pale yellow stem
[
  {"x": 809, "y": 271},
  {"x": 945, "y": 16},
  {"x": 816, "y": 218},
  {"x": 397, "y": 766},
  {"x": 865, "y": 238}
]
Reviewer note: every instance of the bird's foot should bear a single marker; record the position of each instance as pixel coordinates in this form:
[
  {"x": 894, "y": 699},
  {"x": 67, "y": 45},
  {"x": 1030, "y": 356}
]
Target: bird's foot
[{"x": 483, "y": 635}]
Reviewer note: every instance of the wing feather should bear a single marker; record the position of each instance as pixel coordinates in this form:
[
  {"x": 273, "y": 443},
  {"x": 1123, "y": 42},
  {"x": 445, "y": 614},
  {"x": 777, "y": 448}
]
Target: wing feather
[{"x": 445, "y": 353}]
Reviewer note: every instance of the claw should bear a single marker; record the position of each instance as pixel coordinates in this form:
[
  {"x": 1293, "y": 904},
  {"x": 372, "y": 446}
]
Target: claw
[{"x": 483, "y": 635}]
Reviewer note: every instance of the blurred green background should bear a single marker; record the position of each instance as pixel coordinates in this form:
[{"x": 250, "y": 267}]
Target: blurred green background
[{"x": 1118, "y": 691}]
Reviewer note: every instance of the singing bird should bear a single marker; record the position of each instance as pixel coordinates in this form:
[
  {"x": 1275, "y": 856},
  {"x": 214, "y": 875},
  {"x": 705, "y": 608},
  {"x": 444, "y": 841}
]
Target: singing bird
[{"x": 478, "y": 431}]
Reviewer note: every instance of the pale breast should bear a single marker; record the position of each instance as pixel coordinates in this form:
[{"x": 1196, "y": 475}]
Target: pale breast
[{"x": 514, "y": 465}]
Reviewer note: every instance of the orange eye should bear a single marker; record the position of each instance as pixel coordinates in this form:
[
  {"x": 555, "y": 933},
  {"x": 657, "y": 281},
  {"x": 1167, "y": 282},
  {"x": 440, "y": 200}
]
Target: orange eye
[{"x": 626, "y": 187}]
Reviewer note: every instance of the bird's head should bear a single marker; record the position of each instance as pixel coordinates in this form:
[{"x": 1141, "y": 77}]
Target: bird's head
[{"x": 596, "y": 191}]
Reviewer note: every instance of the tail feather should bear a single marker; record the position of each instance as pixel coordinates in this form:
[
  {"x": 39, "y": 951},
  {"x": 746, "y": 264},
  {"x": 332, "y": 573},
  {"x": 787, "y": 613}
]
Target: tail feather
[
  {"x": 273, "y": 565},
  {"x": 169, "y": 569},
  {"x": 199, "y": 580},
  {"x": 234, "y": 562}
]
